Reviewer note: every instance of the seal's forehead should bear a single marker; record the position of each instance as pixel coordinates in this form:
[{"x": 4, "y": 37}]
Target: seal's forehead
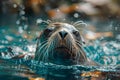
[
  {"x": 63, "y": 25},
  {"x": 69, "y": 27}
]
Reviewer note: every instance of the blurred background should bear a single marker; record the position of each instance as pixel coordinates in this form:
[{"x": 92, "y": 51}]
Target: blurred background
[
  {"x": 101, "y": 15},
  {"x": 20, "y": 24}
]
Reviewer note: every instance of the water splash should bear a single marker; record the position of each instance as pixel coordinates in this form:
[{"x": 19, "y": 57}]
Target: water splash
[{"x": 22, "y": 21}]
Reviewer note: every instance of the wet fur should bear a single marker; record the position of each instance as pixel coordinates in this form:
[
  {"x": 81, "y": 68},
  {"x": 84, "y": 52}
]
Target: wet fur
[{"x": 68, "y": 51}]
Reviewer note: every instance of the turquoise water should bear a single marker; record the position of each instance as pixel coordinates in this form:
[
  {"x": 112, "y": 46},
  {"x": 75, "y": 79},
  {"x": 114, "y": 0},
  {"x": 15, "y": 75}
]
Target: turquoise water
[{"x": 105, "y": 51}]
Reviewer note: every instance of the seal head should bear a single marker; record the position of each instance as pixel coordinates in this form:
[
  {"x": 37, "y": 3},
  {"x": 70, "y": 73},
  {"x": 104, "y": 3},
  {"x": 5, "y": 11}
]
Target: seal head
[{"x": 60, "y": 43}]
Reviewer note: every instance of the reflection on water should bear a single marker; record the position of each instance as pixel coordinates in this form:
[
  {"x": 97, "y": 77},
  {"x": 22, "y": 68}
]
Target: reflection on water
[{"x": 104, "y": 51}]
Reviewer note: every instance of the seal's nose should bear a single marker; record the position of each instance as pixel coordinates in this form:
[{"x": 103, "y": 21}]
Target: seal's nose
[{"x": 63, "y": 34}]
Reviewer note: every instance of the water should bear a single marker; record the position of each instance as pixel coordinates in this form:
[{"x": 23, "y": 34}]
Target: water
[{"x": 104, "y": 51}]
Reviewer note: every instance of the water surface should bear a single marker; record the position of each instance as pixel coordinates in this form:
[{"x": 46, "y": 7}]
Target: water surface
[{"x": 104, "y": 51}]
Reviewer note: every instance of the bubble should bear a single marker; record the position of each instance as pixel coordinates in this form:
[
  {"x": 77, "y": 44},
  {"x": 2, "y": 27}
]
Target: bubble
[
  {"x": 20, "y": 40},
  {"x": 25, "y": 26},
  {"x": 116, "y": 28},
  {"x": 22, "y": 7},
  {"x": 58, "y": 10},
  {"x": 38, "y": 21},
  {"x": 9, "y": 38},
  {"x": 20, "y": 29},
  {"x": 17, "y": 22},
  {"x": 6, "y": 42},
  {"x": 22, "y": 12},
  {"x": 76, "y": 15},
  {"x": 29, "y": 32},
  {"x": 14, "y": 5}
]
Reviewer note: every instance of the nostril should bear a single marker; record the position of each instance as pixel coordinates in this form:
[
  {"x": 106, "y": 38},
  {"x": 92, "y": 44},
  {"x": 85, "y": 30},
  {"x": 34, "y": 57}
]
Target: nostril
[{"x": 63, "y": 34}]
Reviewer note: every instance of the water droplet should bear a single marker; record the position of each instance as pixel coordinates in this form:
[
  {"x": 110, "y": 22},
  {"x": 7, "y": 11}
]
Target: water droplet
[
  {"x": 20, "y": 29},
  {"x": 29, "y": 32},
  {"x": 58, "y": 10},
  {"x": 9, "y": 38},
  {"x": 20, "y": 40},
  {"x": 116, "y": 28},
  {"x": 22, "y": 12},
  {"x": 17, "y": 22},
  {"x": 25, "y": 27},
  {"x": 14, "y": 5},
  {"x": 38, "y": 21},
  {"x": 76, "y": 15}
]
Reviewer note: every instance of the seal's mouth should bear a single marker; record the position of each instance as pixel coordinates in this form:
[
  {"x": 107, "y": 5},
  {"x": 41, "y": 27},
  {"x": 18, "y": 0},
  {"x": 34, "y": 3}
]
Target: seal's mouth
[
  {"x": 63, "y": 49},
  {"x": 63, "y": 52}
]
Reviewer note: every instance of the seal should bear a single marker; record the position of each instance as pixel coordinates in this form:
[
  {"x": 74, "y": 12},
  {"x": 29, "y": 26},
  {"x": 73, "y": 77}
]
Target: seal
[{"x": 61, "y": 43}]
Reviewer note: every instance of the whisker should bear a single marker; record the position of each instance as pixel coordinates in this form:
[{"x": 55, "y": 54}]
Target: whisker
[
  {"x": 79, "y": 42},
  {"x": 77, "y": 56},
  {"x": 50, "y": 48},
  {"x": 43, "y": 56},
  {"x": 84, "y": 46},
  {"x": 41, "y": 43},
  {"x": 40, "y": 58},
  {"x": 81, "y": 50},
  {"x": 53, "y": 43},
  {"x": 39, "y": 50}
]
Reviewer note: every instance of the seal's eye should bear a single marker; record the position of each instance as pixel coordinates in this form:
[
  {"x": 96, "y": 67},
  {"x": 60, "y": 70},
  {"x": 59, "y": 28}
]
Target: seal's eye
[
  {"x": 47, "y": 31},
  {"x": 76, "y": 33}
]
